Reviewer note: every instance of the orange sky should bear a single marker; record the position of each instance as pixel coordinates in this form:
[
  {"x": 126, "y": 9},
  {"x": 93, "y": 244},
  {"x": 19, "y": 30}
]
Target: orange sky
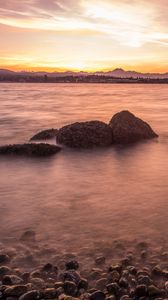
[{"x": 84, "y": 35}]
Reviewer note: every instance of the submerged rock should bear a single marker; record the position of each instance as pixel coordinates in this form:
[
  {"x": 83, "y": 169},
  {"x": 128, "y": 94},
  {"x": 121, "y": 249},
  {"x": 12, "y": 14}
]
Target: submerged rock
[
  {"x": 127, "y": 128},
  {"x": 28, "y": 235},
  {"x": 45, "y": 134},
  {"x": 41, "y": 149},
  {"x": 85, "y": 135}
]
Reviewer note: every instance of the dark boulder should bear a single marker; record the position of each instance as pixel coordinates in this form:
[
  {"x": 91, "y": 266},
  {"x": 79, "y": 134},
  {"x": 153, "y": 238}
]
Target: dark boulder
[
  {"x": 45, "y": 134},
  {"x": 85, "y": 135},
  {"x": 127, "y": 128},
  {"x": 29, "y": 149}
]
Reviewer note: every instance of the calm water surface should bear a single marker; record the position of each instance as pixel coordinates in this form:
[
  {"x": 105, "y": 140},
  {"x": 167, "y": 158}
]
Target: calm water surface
[{"x": 78, "y": 198}]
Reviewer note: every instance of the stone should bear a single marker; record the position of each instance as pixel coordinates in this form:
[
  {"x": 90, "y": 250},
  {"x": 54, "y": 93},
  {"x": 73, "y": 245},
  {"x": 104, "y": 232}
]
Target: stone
[
  {"x": 113, "y": 276},
  {"x": 166, "y": 286},
  {"x": 37, "y": 283},
  {"x": 15, "y": 290},
  {"x": 4, "y": 270},
  {"x": 4, "y": 258},
  {"x": 30, "y": 149},
  {"x": 71, "y": 275},
  {"x": 97, "y": 295},
  {"x": 70, "y": 288},
  {"x": 123, "y": 282},
  {"x": 11, "y": 280},
  {"x": 45, "y": 134},
  {"x": 144, "y": 280},
  {"x": 101, "y": 283},
  {"x": 113, "y": 288},
  {"x": 83, "y": 284},
  {"x": 141, "y": 290},
  {"x": 117, "y": 267},
  {"x": 85, "y": 135},
  {"x": 100, "y": 260},
  {"x": 50, "y": 293},
  {"x": 72, "y": 265},
  {"x": 31, "y": 295},
  {"x": 153, "y": 291},
  {"x": 127, "y": 128}
]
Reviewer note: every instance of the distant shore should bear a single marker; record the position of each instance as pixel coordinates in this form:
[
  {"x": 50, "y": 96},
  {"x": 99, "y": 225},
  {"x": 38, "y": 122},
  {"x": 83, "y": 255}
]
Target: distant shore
[{"x": 9, "y": 78}]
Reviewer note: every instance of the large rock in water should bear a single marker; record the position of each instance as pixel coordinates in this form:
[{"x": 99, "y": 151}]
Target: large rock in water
[
  {"x": 85, "y": 135},
  {"x": 41, "y": 149},
  {"x": 45, "y": 134},
  {"x": 127, "y": 128}
]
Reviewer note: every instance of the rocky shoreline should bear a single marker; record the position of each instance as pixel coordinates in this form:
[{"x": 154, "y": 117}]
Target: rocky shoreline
[{"x": 136, "y": 274}]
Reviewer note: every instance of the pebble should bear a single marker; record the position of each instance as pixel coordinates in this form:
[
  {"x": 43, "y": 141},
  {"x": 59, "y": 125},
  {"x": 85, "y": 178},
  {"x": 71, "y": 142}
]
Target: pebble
[
  {"x": 97, "y": 295},
  {"x": 153, "y": 291},
  {"x": 70, "y": 288},
  {"x": 101, "y": 284},
  {"x": 12, "y": 280},
  {"x": 100, "y": 260},
  {"x": 113, "y": 288},
  {"x": 4, "y": 258},
  {"x": 32, "y": 295},
  {"x": 141, "y": 290},
  {"x": 72, "y": 265},
  {"x": 15, "y": 291}
]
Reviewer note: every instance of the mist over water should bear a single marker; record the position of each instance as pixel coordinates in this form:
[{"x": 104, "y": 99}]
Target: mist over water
[{"x": 79, "y": 198}]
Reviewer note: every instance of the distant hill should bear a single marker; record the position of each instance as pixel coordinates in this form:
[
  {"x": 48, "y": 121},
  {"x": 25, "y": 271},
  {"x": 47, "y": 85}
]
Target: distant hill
[{"x": 120, "y": 73}]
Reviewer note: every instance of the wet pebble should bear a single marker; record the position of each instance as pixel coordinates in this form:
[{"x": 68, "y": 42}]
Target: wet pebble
[
  {"x": 97, "y": 295},
  {"x": 70, "y": 288}
]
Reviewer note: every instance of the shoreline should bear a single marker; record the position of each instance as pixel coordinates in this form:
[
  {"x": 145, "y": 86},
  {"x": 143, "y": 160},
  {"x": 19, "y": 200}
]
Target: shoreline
[{"x": 34, "y": 270}]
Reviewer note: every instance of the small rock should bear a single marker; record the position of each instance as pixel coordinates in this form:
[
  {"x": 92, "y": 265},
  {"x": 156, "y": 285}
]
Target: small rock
[
  {"x": 113, "y": 288},
  {"x": 72, "y": 265},
  {"x": 50, "y": 293},
  {"x": 166, "y": 286},
  {"x": 58, "y": 284},
  {"x": 113, "y": 276},
  {"x": 100, "y": 260},
  {"x": 15, "y": 291},
  {"x": 83, "y": 284},
  {"x": 101, "y": 284},
  {"x": 117, "y": 268},
  {"x": 123, "y": 282},
  {"x": 144, "y": 280},
  {"x": 12, "y": 280},
  {"x": 4, "y": 270},
  {"x": 4, "y": 258},
  {"x": 132, "y": 270},
  {"x": 141, "y": 290},
  {"x": 97, "y": 295},
  {"x": 47, "y": 268},
  {"x": 37, "y": 283},
  {"x": 153, "y": 291},
  {"x": 31, "y": 295},
  {"x": 157, "y": 271},
  {"x": 71, "y": 275},
  {"x": 70, "y": 288}
]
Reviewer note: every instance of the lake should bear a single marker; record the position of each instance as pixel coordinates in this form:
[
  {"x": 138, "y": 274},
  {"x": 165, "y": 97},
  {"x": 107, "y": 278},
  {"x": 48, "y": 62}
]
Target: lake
[{"x": 90, "y": 197}]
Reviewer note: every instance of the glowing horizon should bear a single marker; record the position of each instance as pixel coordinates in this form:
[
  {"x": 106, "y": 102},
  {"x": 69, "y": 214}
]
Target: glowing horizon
[{"x": 83, "y": 35}]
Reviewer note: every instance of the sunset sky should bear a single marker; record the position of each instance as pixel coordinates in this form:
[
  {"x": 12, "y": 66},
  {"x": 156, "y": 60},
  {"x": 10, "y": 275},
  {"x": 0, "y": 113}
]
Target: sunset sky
[{"x": 84, "y": 35}]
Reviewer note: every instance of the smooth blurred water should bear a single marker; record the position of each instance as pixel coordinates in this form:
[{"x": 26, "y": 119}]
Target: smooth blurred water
[{"x": 80, "y": 197}]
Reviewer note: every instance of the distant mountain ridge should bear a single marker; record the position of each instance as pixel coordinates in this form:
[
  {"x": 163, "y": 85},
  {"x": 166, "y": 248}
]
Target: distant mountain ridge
[{"x": 115, "y": 73}]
